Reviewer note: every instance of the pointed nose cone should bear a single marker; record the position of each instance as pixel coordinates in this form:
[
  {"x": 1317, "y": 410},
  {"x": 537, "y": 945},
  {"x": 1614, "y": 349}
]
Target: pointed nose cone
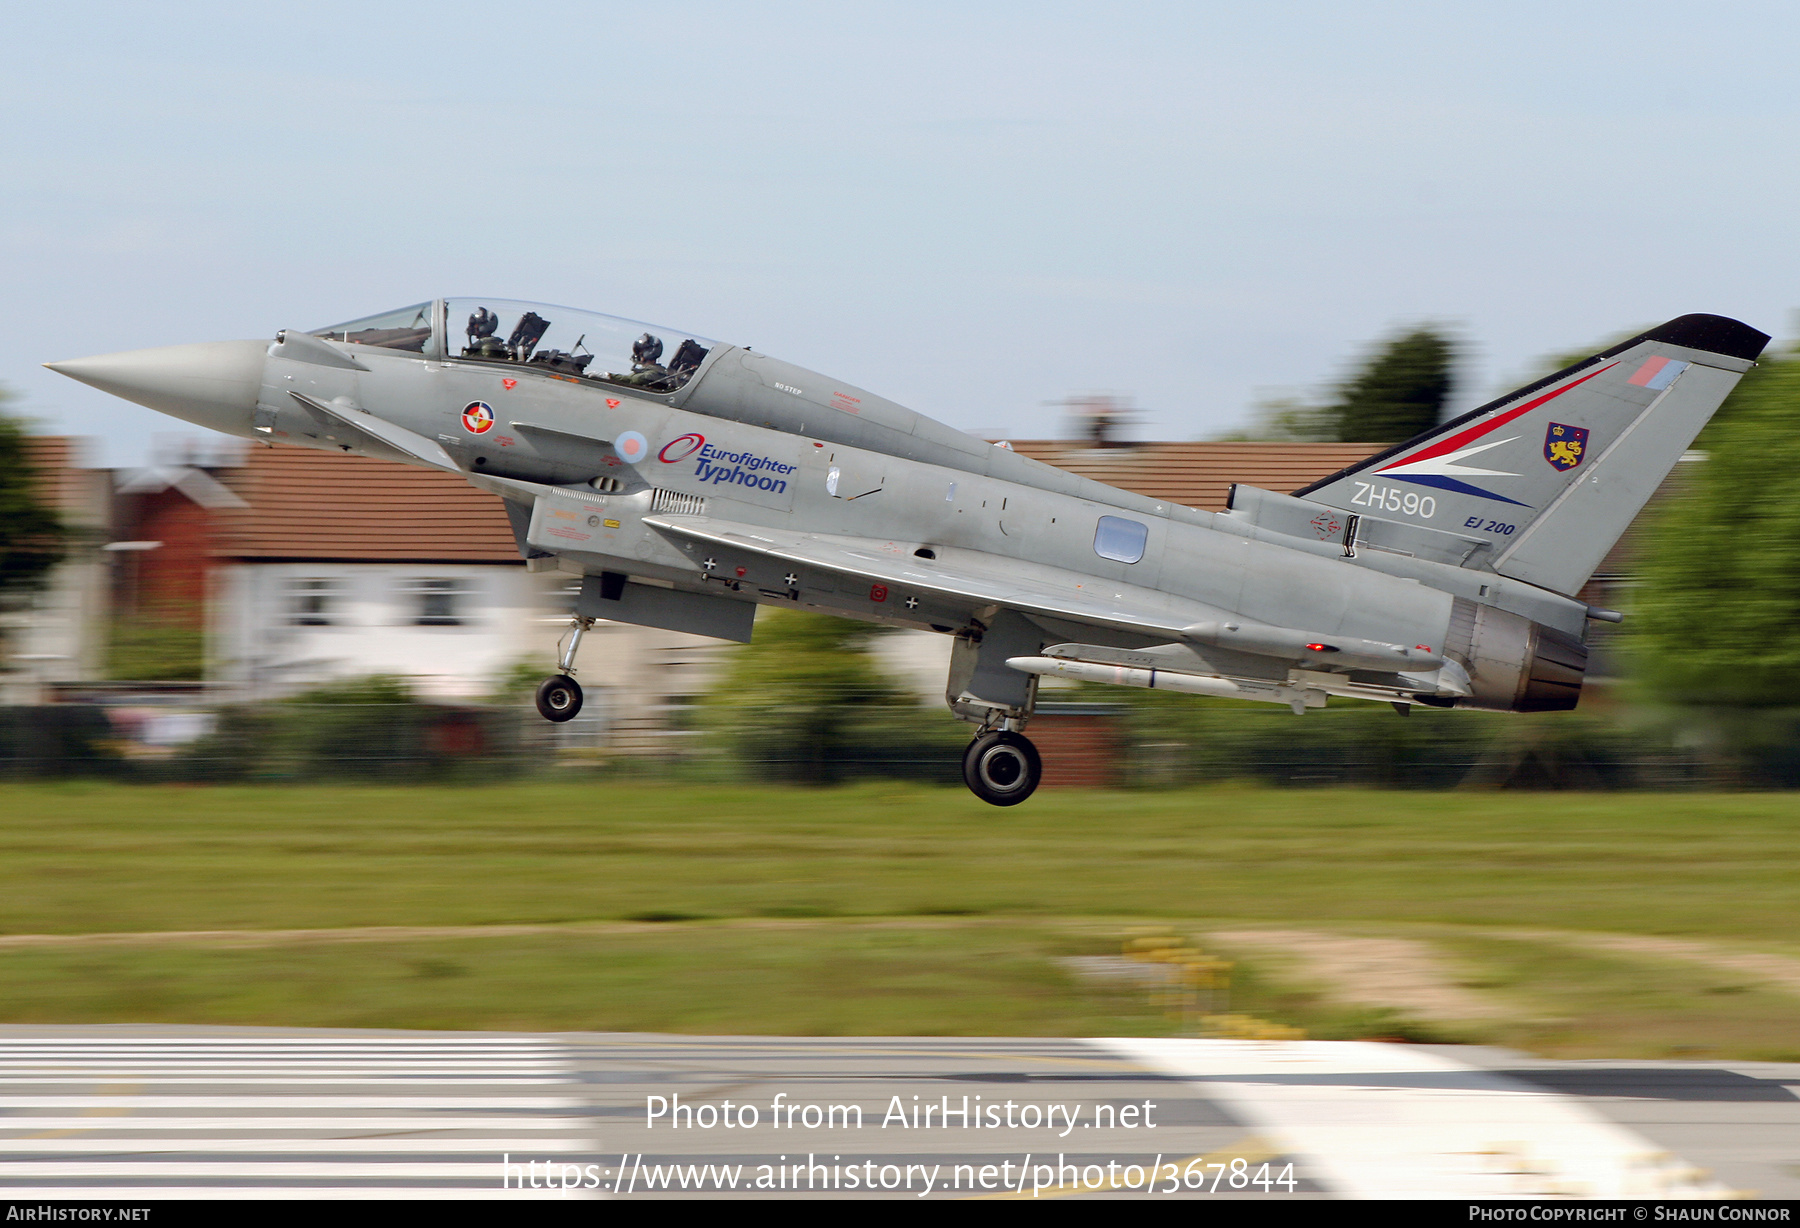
[{"x": 213, "y": 384}]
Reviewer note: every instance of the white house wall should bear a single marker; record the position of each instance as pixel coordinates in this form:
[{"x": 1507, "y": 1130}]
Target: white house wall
[
  {"x": 373, "y": 627},
  {"x": 58, "y": 633},
  {"x": 640, "y": 682}
]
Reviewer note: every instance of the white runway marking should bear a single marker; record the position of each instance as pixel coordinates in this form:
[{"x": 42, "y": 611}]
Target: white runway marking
[
  {"x": 346, "y": 1143},
  {"x": 1394, "y": 1121},
  {"x": 132, "y": 1103},
  {"x": 93, "y": 1171},
  {"x": 405, "y": 1117},
  {"x": 112, "y": 1116},
  {"x": 271, "y": 1077},
  {"x": 310, "y": 1193},
  {"x": 324, "y": 1122}
]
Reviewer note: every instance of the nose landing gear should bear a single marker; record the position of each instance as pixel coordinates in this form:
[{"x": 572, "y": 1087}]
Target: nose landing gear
[
  {"x": 1002, "y": 768},
  {"x": 559, "y": 696}
]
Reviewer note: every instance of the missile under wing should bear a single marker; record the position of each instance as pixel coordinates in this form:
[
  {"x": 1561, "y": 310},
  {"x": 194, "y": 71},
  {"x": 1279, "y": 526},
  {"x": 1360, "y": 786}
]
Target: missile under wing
[{"x": 688, "y": 481}]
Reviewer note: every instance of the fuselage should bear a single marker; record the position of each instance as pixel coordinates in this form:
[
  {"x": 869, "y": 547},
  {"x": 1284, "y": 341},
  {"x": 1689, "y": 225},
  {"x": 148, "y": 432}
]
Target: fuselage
[{"x": 736, "y": 436}]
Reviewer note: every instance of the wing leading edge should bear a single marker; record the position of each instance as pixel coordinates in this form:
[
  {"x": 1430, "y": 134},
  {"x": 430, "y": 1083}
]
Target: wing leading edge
[{"x": 978, "y": 578}]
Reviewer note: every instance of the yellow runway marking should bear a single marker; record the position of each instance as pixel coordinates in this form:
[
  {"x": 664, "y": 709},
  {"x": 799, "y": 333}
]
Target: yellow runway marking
[{"x": 113, "y": 1110}]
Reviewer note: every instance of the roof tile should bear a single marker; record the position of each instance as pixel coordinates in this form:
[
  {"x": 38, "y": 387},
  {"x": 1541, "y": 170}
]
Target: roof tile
[
  {"x": 1198, "y": 474},
  {"x": 310, "y": 504}
]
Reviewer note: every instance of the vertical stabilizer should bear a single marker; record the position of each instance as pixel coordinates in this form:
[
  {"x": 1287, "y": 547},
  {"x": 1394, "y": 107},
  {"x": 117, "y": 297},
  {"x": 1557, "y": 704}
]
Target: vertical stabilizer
[{"x": 1553, "y": 473}]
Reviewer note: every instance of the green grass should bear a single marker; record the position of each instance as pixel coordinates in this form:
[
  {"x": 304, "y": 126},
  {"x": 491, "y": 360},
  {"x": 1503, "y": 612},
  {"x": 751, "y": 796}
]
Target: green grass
[
  {"x": 853, "y": 980},
  {"x": 1012, "y": 889},
  {"x": 1604, "y": 1005},
  {"x": 80, "y": 858}
]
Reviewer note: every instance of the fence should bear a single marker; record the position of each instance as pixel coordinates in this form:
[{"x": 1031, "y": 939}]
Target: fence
[{"x": 1118, "y": 746}]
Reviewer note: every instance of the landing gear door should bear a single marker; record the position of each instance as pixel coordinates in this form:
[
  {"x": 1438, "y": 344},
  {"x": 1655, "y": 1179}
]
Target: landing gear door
[{"x": 982, "y": 686}]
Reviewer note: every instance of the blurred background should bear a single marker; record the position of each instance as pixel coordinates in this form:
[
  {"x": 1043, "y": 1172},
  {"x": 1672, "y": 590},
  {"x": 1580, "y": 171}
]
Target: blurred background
[
  {"x": 1167, "y": 246},
  {"x": 227, "y": 612}
]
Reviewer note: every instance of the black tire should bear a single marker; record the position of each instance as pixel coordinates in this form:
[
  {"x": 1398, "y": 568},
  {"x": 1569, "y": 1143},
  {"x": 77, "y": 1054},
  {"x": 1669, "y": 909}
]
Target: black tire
[
  {"x": 559, "y": 698},
  {"x": 1002, "y": 769}
]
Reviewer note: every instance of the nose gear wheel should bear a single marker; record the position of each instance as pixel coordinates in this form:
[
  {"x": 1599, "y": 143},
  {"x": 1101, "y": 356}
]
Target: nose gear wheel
[{"x": 559, "y": 698}]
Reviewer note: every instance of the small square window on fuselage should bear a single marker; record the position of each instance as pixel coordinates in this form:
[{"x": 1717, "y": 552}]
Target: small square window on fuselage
[{"x": 1120, "y": 539}]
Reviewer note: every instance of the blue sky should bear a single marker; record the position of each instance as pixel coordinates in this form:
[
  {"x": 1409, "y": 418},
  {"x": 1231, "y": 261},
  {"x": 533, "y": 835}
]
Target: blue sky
[{"x": 975, "y": 209}]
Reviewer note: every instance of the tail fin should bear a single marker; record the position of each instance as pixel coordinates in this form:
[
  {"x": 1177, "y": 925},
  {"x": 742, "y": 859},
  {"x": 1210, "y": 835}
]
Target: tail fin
[{"x": 1554, "y": 472}]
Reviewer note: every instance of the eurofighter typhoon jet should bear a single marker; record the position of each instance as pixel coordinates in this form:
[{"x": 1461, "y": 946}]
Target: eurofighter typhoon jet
[{"x": 689, "y": 481}]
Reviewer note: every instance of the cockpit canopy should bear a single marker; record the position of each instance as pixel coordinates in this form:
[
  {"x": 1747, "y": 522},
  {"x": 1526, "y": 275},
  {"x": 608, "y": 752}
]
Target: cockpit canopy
[
  {"x": 406, "y": 329},
  {"x": 563, "y": 340}
]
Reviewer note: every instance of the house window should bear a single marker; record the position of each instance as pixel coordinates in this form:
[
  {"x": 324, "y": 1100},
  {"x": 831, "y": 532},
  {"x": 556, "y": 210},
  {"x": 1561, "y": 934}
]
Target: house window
[
  {"x": 313, "y": 601},
  {"x": 438, "y": 601},
  {"x": 1120, "y": 539}
]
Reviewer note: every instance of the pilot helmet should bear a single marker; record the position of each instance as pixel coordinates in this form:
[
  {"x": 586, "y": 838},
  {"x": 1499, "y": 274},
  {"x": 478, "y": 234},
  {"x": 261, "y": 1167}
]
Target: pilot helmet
[{"x": 646, "y": 349}]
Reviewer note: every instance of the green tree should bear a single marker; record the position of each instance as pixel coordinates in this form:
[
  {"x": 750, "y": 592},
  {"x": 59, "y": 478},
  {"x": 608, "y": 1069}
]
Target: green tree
[
  {"x": 31, "y": 534},
  {"x": 805, "y": 702},
  {"x": 1718, "y": 617},
  {"x": 1400, "y": 391},
  {"x": 1285, "y": 419}
]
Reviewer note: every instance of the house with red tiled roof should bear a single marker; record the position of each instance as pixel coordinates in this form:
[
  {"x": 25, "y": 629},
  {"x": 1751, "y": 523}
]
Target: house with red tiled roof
[
  {"x": 336, "y": 566},
  {"x": 307, "y": 566},
  {"x": 332, "y": 566},
  {"x": 322, "y": 565}
]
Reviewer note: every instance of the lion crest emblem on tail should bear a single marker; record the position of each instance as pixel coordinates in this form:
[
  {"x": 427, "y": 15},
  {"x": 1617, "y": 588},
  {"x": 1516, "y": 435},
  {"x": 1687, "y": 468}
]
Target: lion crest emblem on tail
[{"x": 1565, "y": 446}]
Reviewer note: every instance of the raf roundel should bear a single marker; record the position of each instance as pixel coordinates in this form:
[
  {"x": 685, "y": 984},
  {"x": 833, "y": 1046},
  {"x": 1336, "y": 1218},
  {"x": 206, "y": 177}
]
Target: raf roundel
[
  {"x": 631, "y": 447},
  {"x": 478, "y": 417}
]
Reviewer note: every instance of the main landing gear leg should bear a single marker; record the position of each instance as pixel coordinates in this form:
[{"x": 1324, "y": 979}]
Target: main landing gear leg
[
  {"x": 559, "y": 698},
  {"x": 1002, "y": 768}
]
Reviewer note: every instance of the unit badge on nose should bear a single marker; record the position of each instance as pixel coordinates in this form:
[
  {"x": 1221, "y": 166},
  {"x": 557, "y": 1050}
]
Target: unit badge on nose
[
  {"x": 478, "y": 417},
  {"x": 1565, "y": 445}
]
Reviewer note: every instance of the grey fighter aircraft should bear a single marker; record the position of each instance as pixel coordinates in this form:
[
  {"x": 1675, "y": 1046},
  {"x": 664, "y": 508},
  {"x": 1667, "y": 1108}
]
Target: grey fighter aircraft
[{"x": 689, "y": 481}]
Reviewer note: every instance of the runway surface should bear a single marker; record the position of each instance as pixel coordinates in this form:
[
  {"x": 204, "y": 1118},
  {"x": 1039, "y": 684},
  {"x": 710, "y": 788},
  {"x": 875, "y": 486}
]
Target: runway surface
[{"x": 146, "y": 1113}]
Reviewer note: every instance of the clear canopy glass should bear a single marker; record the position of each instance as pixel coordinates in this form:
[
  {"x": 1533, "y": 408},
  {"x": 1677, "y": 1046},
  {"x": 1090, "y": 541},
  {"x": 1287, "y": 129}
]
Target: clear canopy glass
[
  {"x": 406, "y": 329},
  {"x": 628, "y": 353}
]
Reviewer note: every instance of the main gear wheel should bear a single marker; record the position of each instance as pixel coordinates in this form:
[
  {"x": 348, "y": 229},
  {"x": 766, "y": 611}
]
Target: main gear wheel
[{"x": 1002, "y": 768}]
